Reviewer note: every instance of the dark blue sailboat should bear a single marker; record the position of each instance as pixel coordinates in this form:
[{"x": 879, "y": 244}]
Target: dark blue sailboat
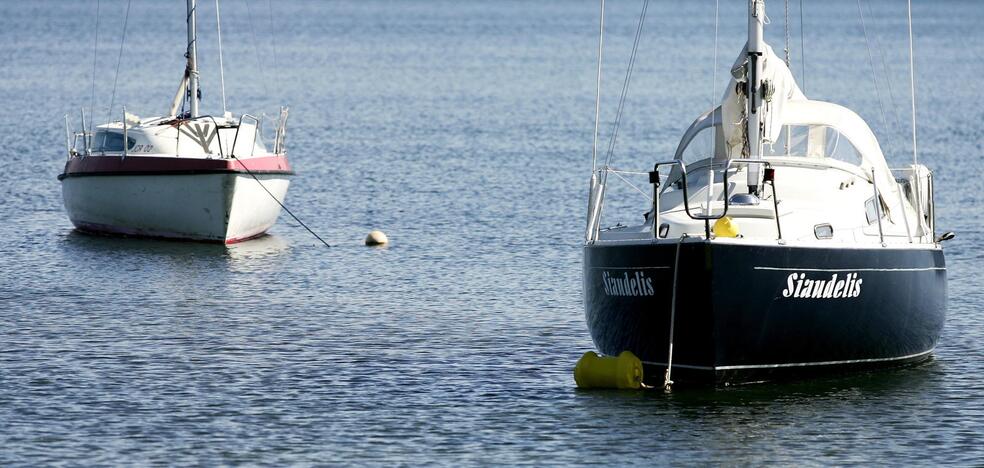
[{"x": 777, "y": 243}]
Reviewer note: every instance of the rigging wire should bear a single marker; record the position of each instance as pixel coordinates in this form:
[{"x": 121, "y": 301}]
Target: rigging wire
[
  {"x": 912, "y": 84},
  {"x": 273, "y": 44},
  {"x": 871, "y": 63},
  {"x": 256, "y": 48},
  {"x": 218, "y": 28},
  {"x": 119, "y": 60},
  {"x": 601, "y": 43},
  {"x": 92, "y": 98},
  {"x": 893, "y": 106},
  {"x": 802, "y": 50},
  {"x": 637, "y": 189},
  {"x": 625, "y": 84},
  {"x": 712, "y": 153},
  {"x": 785, "y": 26}
]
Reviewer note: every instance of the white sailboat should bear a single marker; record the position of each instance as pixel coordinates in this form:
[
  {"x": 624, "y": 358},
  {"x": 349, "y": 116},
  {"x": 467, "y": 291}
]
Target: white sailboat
[{"x": 183, "y": 175}]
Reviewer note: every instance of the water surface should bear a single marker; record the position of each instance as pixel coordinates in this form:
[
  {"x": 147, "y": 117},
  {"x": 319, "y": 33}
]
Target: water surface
[{"x": 463, "y": 130}]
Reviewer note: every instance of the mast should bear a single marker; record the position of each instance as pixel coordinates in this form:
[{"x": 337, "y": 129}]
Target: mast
[
  {"x": 756, "y": 50},
  {"x": 595, "y": 192},
  {"x": 192, "y": 55}
]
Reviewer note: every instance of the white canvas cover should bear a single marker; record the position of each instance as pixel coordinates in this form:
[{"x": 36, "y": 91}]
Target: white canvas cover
[{"x": 774, "y": 71}]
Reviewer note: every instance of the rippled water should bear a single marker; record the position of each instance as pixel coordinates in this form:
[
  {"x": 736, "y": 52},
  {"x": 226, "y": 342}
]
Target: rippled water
[{"x": 464, "y": 132}]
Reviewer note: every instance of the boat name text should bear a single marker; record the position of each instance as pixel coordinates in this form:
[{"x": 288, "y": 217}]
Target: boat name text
[
  {"x": 638, "y": 284},
  {"x": 799, "y": 286}
]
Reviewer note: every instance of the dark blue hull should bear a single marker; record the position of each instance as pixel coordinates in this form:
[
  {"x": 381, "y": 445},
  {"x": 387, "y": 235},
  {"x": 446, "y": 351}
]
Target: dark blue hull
[{"x": 749, "y": 313}]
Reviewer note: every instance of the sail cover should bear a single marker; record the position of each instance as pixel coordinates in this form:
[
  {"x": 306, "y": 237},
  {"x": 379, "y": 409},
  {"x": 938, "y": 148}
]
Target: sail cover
[{"x": 779, "y": 79}]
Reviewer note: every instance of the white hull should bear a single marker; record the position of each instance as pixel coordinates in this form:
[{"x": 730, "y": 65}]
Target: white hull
[{"x": 220, "y": 207}]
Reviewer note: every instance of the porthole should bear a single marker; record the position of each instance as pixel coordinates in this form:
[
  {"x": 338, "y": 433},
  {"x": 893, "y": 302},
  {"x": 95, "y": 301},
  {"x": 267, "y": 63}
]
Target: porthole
[
  {"x": 664, "y": 229},
  {"x": 823, "y": 231}
]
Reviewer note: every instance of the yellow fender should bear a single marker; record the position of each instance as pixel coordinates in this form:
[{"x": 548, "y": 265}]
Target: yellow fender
[{"x": 594, "y": 371}]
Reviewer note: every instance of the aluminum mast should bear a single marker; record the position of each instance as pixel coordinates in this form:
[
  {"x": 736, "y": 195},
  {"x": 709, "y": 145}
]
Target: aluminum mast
[
  {"x": 192, "y": 55},
  {"x": 756, "y": 50}
]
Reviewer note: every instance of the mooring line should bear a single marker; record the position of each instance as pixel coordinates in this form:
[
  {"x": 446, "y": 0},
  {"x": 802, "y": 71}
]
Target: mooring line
[
  {"x": 667, "y": 381},
  {"x": 278, "y": 201}
]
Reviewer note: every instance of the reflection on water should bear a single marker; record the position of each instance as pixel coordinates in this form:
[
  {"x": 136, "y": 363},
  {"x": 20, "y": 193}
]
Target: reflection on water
[
  {"x": 263, "y": 247},
  {"x": 121, "y": 245},
  {"x": 260, "y": 248}
]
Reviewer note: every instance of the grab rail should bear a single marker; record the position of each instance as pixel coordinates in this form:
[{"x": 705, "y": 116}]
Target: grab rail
[
  {"x": 278, "y": 144},
  {"x": 654, "y": 179},
  {"x": 126, "y": 139},
  {"x": 68, "y": 137},
  {"x": 256, "y": 128},
  {"x": 217, "y": 136}
]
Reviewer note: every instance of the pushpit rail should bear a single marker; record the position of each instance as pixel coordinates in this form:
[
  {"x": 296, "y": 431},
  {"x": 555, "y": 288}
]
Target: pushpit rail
[{"x": 597, "y": 196}]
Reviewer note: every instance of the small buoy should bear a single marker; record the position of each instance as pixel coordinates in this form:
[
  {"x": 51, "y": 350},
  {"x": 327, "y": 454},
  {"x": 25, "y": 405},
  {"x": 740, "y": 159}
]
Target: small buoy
[
  {"x": 726, "y": 227},
  {"x": 376, "y": 238},
  {"x": 593, "y": 371}
]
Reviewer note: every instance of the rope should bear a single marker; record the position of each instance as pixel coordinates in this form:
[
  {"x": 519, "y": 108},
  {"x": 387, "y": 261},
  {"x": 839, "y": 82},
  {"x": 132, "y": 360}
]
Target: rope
[
  {"x": 625, "y": 84},
  {"x": 218, "y": 28},
  {"x": 278, "y": 201},
  {"x": 92, "y": 98},
  {"x": 912, "y": 85},
  {"x": 601, "y": 43},
  {"x": 667, "y": 382},
  {"x": 119, "y": 60}
]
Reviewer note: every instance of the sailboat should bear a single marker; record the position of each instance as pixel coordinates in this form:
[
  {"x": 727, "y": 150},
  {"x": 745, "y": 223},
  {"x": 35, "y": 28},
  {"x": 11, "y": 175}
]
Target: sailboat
[
  {"x": 184, "y": 175},
  {"x": 786, "y": 248}
]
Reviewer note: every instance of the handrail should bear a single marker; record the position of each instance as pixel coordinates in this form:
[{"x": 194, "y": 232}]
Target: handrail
[
  {"x": 654, "y": 179},
  {"x": 217, "y": 135},
  {"x": 68, "y": 137},
  {"x": 727, "y": 199},
  {"x": 278, "y": 145},
  {"x": 85, "y": 141},
  {"x": 126, "y": 140},
  {"x": 256, "y": 128},
  {"x": 594, "y": 217},
  {"x": 75, "y": 143}
]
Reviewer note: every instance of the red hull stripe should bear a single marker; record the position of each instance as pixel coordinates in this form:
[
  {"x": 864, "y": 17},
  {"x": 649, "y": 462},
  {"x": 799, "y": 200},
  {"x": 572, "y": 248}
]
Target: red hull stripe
[{"x": 152, "y": 164}]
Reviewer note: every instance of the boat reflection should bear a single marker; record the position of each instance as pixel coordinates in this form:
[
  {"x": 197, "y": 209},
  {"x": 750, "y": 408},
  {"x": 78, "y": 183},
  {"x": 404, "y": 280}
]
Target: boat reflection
[
  {"x": 268, "y": 245},
  {"x": 136, "y": 249}
]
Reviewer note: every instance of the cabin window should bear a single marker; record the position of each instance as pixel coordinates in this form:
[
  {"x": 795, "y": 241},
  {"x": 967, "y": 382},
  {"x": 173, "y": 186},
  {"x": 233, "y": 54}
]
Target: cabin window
[
  {"x": 699, "y": 148},
  {"x": 871, "y": 211},
  {"x": 823, "y": 231},
  {"x": 813, "y": 141},
  {"x": 109, "y": 142}
]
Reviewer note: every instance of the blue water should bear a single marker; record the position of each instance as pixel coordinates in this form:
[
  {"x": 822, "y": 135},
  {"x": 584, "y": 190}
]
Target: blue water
[{"x": 463, "y": 130}]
